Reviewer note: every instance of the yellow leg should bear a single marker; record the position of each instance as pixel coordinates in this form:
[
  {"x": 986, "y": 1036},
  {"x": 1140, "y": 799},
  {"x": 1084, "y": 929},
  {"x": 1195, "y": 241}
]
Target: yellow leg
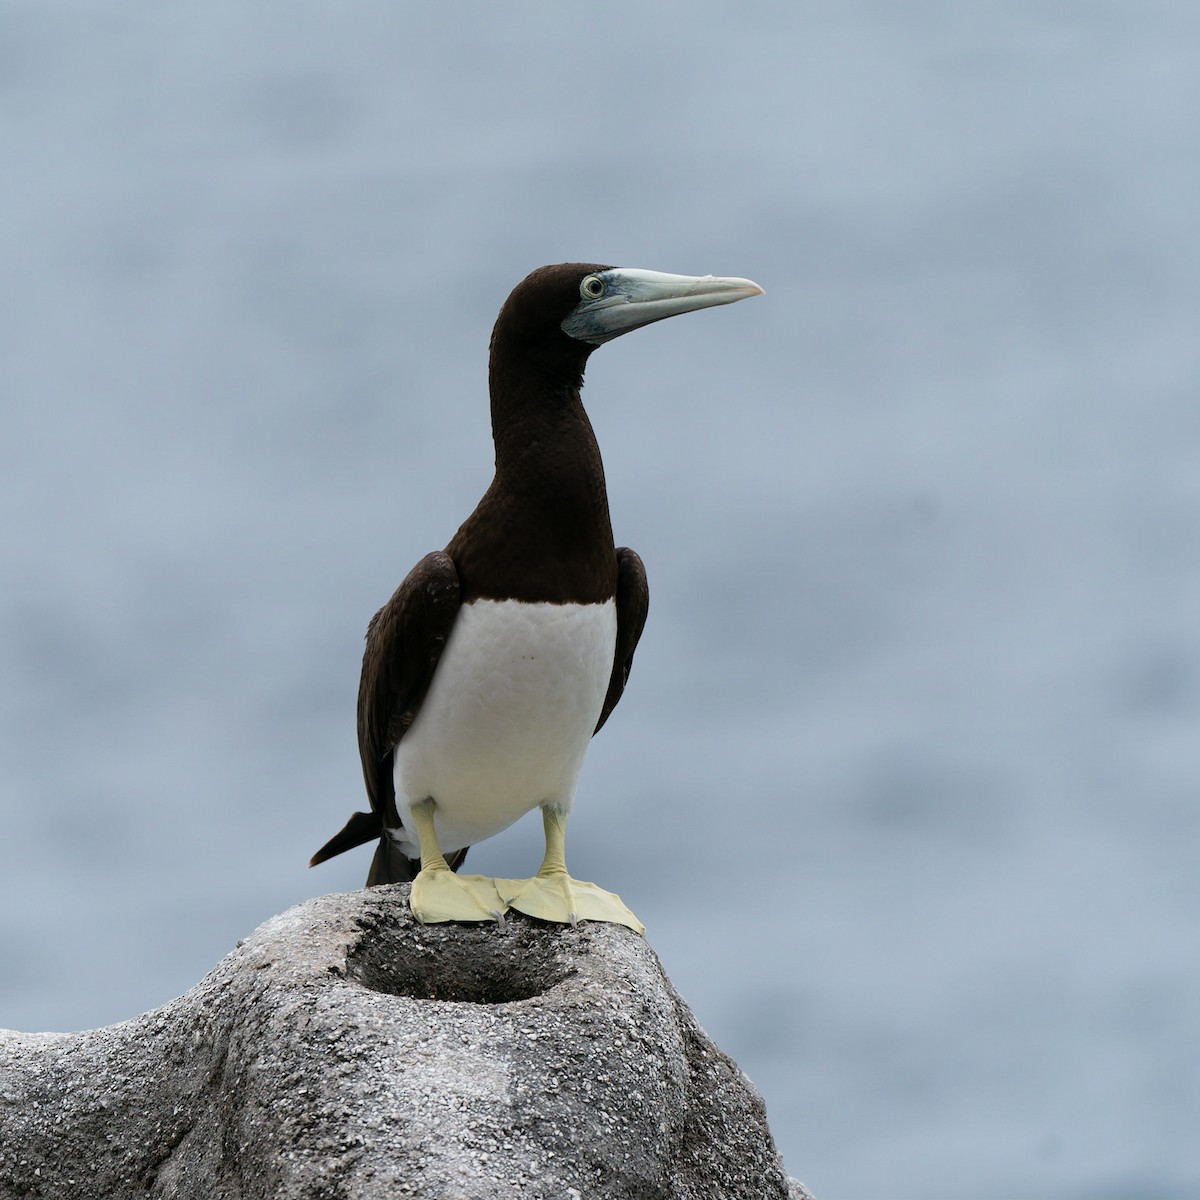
[
  {"x": 438, "y": 894},
  {"x": 552, "y": 895}
]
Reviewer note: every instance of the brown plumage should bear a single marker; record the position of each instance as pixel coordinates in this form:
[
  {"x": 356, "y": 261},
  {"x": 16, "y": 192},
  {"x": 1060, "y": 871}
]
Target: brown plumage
[{"x": 540, "y": 534}]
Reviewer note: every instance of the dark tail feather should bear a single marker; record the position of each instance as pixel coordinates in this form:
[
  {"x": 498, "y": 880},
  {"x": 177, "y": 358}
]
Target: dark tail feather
[
  {"x": 391, "y": 865},
  {"x": 358, "y": 831}
]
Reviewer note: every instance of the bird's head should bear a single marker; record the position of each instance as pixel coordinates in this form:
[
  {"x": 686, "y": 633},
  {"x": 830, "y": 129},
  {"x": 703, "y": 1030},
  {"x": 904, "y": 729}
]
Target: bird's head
[{"x": 558, "y": 315}]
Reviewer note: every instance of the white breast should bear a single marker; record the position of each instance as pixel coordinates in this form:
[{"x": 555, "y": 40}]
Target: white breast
[{"x": 508, "y": 717}]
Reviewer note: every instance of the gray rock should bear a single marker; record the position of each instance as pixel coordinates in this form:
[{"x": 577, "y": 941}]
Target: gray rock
[{"x": 343, "y": 1050}]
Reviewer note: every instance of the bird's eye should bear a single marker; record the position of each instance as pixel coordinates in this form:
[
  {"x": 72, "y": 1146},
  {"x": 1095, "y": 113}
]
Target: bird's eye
[{"x": 592, "y": 287}]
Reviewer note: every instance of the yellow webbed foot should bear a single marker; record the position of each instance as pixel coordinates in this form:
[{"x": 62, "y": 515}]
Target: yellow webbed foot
[
  {"x": 556, "y": 896},
  {"x": 438, "y": 894}
]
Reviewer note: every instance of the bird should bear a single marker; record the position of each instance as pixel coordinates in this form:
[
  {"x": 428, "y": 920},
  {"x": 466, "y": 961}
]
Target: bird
[{"x": 496, "y": 660}]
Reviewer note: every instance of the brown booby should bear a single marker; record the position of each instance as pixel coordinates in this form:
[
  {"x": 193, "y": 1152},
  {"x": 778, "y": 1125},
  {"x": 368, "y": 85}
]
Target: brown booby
[{"x": 489, "y": 670}]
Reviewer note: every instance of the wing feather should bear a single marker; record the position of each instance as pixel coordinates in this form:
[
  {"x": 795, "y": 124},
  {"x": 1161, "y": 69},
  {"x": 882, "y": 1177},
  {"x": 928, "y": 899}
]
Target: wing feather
[
  {"x": 633, "y": 603},
  {"x": 405, "y": 640}
]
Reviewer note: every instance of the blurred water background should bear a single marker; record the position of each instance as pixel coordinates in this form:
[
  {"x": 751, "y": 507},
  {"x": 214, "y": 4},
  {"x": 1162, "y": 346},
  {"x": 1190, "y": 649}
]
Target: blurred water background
[{"x": 905, "y": 784}]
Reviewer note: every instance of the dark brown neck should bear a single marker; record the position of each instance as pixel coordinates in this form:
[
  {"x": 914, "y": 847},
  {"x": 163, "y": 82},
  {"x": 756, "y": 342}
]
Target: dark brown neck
[{"x": 542, "y": 530}]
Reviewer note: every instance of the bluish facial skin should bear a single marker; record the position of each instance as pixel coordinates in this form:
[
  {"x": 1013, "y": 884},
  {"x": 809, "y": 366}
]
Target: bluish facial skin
[{"x": 614, "y": 301}]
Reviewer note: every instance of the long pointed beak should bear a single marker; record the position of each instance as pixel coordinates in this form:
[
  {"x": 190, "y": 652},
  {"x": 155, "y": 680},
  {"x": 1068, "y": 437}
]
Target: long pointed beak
[{"x": 631, "y": 298}]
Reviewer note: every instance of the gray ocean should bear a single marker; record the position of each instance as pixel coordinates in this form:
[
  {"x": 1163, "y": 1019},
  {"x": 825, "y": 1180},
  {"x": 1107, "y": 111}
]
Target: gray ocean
[{"x": 906, "y": 784}]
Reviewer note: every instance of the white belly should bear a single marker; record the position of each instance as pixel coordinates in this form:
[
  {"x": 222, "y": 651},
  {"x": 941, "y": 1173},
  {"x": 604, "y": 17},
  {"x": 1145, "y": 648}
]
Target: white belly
[{"x": 508, "y": 716}]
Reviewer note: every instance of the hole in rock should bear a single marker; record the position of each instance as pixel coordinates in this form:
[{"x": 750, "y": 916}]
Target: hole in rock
[{"x": 467, "y": 963}]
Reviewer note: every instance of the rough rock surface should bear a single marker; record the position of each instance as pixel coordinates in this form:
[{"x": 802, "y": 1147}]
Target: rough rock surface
[{"x": 345, "y": 1051}]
